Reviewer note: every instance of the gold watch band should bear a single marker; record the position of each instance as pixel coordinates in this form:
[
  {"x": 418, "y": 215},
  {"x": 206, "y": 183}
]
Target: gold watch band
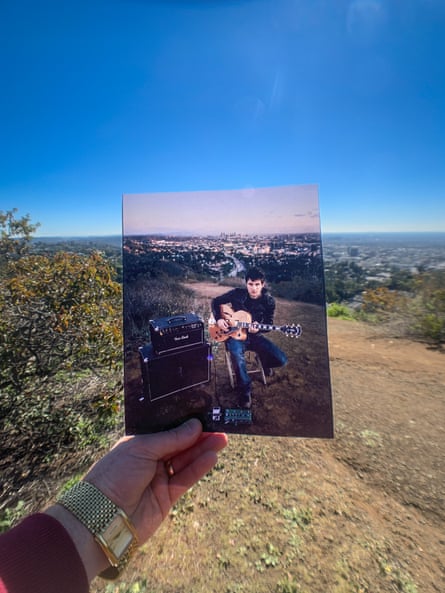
[{"x": 96, "y": 511}]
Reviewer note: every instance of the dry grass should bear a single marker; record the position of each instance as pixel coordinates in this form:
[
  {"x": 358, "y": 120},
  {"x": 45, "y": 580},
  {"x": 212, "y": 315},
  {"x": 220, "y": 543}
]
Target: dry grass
[
  {"x": 361, "y": 514},
  {"x": 279, "y": 515}
]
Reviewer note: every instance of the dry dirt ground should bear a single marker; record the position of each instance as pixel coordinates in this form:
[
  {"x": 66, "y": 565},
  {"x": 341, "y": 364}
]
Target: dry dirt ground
[
  {"x": 361, "y": 513},
  {"x": 390, "y": 392}
]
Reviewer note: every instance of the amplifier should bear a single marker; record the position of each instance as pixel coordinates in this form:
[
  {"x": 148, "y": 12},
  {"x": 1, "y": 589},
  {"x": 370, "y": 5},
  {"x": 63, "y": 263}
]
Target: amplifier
[
  {"x": 175, "y": 333},
  {"x": 169, "y": 373}
]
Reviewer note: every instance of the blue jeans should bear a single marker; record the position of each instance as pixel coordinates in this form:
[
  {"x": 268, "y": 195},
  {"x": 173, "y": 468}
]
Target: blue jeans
[{"x": 270, "y": 355}]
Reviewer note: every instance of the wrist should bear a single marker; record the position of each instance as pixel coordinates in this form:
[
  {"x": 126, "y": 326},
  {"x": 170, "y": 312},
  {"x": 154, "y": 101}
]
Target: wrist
[
  {"x": 109, "y": 525},
  {"x": 93, "y": 558}
]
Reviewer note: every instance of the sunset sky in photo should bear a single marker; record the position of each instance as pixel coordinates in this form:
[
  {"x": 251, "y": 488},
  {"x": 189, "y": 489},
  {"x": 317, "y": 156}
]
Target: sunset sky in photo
[{"x": 292, "y": 209}]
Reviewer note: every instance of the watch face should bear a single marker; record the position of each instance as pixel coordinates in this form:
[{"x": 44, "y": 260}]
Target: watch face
[{"x": 118, "y": 536}]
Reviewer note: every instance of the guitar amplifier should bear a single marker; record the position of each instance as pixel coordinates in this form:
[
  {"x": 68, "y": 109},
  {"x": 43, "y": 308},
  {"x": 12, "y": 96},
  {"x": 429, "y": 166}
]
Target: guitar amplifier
[
  {"x": 173, "y": 372},
  {"x": 175, "y": 333}
]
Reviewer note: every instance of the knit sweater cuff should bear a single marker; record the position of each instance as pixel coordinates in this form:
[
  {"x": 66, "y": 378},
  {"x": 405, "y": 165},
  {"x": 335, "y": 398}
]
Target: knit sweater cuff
[{"x": 38, "y": 555}]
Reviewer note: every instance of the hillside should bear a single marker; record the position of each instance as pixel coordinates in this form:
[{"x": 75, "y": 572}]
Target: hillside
[{"x": 362, "y": 513}]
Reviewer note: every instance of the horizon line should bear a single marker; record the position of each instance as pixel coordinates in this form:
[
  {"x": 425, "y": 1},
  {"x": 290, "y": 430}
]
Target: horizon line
[{"x": 176, "y": 233}]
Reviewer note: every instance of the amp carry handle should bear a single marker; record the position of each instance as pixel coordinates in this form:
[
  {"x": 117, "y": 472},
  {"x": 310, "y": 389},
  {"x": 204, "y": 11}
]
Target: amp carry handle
[{"x": 178, "y": 318}]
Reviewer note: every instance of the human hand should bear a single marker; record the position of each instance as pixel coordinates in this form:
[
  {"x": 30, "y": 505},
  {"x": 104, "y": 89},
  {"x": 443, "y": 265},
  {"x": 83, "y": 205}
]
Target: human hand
[
  {"x": 136, "y": 477},
  {"x": 144, "y": 475},
  {"x": 222, "y": 324}
]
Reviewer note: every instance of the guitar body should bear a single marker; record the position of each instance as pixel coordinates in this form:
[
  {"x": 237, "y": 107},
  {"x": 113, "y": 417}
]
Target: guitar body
[
  {"x": 241, "y": 321},
  {"x": 233, "y": 318}
]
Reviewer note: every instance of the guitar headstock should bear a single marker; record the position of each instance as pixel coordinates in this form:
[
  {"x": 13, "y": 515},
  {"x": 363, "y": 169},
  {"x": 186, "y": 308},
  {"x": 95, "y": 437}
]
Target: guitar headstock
[{"x": 292, "y": 331}]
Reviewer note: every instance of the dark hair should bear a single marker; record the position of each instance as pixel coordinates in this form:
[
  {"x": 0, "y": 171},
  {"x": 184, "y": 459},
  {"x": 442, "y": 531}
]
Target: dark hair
[{"x": 255, "y": 274}]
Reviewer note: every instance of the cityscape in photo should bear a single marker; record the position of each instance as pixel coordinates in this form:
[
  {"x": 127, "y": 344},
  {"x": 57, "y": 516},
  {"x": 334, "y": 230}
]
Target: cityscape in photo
[{"x": 228, "y": 255}]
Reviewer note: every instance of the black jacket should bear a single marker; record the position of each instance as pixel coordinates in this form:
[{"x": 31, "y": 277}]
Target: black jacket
[{"x": 261, "y": 309}]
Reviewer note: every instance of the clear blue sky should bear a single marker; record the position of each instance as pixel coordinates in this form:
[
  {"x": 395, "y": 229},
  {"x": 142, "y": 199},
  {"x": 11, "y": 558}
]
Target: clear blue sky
[{"x": 101, "y": 98}]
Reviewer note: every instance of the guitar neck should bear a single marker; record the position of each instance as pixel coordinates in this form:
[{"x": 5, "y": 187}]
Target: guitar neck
[{"x": 264, "y": 326}]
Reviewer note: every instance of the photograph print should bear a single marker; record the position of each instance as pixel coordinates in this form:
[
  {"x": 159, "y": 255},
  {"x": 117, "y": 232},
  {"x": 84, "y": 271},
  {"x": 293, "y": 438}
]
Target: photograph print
[{"x": 225, "y": 313}]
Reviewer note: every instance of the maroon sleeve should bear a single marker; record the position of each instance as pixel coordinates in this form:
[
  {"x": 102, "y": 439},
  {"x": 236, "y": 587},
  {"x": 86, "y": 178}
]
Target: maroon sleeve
[{"x": 38, "y": 556}]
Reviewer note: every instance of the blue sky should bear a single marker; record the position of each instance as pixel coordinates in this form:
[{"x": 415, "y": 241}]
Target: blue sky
[{"x": 103, "y": 98}]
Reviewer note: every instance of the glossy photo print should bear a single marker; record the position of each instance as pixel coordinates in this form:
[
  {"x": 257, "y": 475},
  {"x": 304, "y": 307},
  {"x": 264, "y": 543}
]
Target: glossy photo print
[{"x": 224, "y": 312}]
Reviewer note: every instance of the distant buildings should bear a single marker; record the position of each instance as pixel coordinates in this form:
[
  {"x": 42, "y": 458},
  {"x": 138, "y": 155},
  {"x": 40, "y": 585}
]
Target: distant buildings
[
  {"x": 378, "y": 257},
  {"x": 226, "y": 254}
]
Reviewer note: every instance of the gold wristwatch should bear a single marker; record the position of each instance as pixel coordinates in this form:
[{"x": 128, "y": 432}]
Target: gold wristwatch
[{"x": 110, "y": 525}]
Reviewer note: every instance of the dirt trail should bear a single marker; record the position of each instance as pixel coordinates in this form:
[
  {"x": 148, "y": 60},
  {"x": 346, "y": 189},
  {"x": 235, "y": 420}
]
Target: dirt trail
[
  {"x": 389, "y": 398},
  {"x": 391, "y": 394}
]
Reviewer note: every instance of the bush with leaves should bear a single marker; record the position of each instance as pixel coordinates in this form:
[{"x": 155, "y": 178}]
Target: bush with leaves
[
  {"x": 383, "y": 302},
  {"x": 15, "y": 236},
  {"x": 339, "y": 311},
  {"x": 60, "y": 350},
  {"x": 418, "y": 314},
  {"x": 343, "y": 281},
  {"x": 428, "y": 309},
  {"x": 57, "y": 313}
]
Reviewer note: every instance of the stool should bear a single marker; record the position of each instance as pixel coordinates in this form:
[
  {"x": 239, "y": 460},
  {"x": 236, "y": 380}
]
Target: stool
[{"x": 253, "y": 363}]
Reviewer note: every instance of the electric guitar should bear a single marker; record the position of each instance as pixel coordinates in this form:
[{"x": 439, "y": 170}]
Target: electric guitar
[{"x": 241, "y": 321}]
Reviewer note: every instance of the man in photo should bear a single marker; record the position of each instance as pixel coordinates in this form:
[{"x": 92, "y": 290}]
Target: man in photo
[{"x": 252, "y": 305}]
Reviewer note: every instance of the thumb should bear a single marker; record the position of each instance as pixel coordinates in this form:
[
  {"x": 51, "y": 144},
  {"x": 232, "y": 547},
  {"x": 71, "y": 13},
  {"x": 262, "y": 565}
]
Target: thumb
[{"x": 169, "y": 443}]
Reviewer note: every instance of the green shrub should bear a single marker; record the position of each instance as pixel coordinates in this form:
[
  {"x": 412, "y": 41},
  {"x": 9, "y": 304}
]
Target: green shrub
[
  {"x": 428, "y": 308},
  {"x": 10, "y": 516},
  {"x": 340, "y": 311}
]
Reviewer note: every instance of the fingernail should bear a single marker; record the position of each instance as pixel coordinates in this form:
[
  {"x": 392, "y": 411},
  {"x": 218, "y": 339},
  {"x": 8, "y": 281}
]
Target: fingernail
[{"x": 192, "y": 421}]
